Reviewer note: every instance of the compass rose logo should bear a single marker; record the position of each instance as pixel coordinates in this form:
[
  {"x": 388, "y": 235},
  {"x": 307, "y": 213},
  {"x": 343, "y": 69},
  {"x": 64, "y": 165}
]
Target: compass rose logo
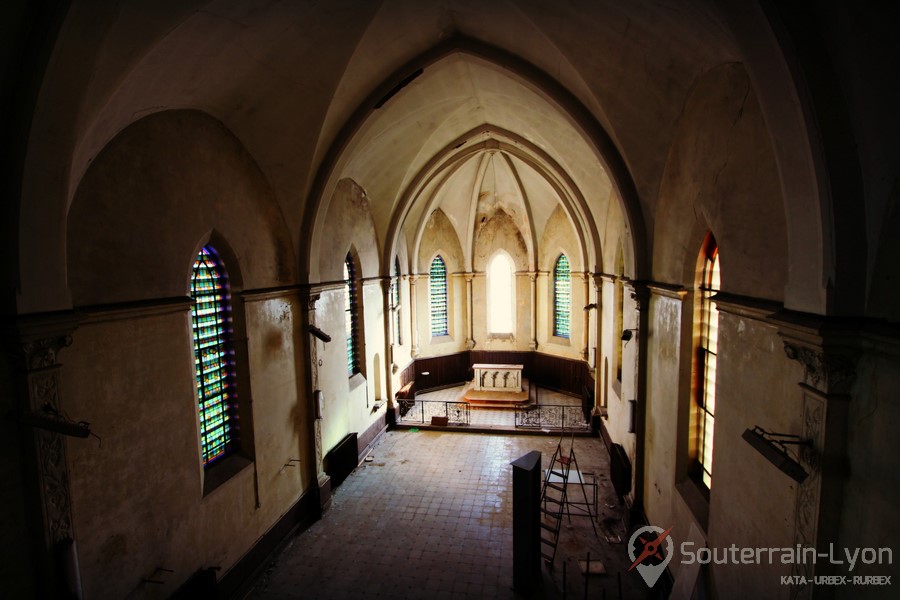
[{"x": 651, "y": 550}]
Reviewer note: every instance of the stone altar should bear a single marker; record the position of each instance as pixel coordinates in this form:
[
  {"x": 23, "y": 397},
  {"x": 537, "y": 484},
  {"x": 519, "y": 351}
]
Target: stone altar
[{"x": 497, "y": 378}]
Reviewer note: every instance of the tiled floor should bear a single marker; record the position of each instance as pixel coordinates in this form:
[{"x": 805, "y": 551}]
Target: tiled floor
[{"x": 431, "y": 517}]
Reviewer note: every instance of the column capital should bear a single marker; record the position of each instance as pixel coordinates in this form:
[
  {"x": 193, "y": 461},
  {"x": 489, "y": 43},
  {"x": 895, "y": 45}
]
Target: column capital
[
  {"x": 640, "y": 293},
  {"x": 386, "y": 284}
]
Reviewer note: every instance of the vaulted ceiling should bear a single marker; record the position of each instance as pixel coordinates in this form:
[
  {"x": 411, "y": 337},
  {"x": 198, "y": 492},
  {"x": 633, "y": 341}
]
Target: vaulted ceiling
[{"x": 568, "y": 104}]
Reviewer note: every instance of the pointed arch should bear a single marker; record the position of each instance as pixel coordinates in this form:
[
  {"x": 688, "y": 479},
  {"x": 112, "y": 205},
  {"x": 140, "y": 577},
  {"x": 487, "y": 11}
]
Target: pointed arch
[
  {"x": 213, "y": 357},
  {"x": 562, "y": 297},
  {"x": 501, "y": 294},
  {"x": 351, "y": 314},
  {"x": 437, "y": 297}
]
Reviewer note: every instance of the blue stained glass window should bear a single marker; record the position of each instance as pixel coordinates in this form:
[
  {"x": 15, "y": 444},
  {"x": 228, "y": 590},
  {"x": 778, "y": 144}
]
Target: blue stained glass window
[
  {"x": 213, "y": 358},
  {"x": 561, "y": 297},
  {"x": 438, "y": 296},
  {"x": 351, "y": 316}
]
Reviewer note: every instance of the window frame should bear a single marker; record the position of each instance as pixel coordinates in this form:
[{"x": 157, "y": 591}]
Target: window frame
[
  {"x": 438, "y": 280},
  {"x": 351, "y": 315},
  {"x": 225, "y": 348},
  {"x": 492, "y": 292},
  {"x": 555, "y": 313},
  {"x": 705, "y": 361}
]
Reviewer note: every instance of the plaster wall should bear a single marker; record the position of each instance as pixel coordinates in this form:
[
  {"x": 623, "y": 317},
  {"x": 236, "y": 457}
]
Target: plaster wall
[
  {"x": 752, "y": 503},
  {"x": 548, "y": 343},
  {"x": 721, "y": 176},
  {"x": 137, "y": 498},
  {"x": 664, "y": 423},
  {"x": 869, "y": 516},
  {"x": 401, "y": 354},
  {"x": 440, "y": 238},
  {"x": 349, "y": 401},
  {"x": 455, "y": 341},
  {"x": 154, "y": 193},
  {"x": 281, "y": 410}
]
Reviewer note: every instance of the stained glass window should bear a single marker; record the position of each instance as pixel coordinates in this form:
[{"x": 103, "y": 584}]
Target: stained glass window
[
  {"x": 561, "y": 297},
  {"x": 213, "y": 358},
  {"x": 438, "y": 296},
  {"x": 706, "y": 358},
  {"x": 395, "y": 301},
  {"x": 351, "y": 316}
]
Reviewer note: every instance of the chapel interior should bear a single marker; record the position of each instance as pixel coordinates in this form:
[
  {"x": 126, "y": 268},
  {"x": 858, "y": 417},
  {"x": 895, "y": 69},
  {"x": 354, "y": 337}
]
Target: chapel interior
[{"x": 240, "y": 234}]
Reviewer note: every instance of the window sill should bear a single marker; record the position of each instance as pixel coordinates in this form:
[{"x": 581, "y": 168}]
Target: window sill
[
  {"x": 502, "y": 336},
  {"x": 696, "y": 501},
  {"x": 441, "y": 339},
  {"x": 562, "y": 341},
  {"x": 223, "y": 471},
  {"x": 356, "y": 380}
]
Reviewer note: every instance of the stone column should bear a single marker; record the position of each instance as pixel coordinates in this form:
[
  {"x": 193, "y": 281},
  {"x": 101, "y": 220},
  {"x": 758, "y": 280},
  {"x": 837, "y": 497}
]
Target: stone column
[
  {"x": 389, "y": 340},
  {"x": 40, "y": 413},
  {"x": 413, "y": 330},
  {"x": 532, "y": 277},
  {"x": 323, "y": 481},
  {"x": 829, "y": 371},
  {"x": 585, "y": 335},
  {"x": 640, "y": 293},
  {"x": 470, "y": 302}
]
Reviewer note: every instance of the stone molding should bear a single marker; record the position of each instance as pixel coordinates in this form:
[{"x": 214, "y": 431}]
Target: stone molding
[
  {"x": 745, "y": 306},
  {"x": 667, "y": 290},
  {"x": 103, "y": 313},
  {"x": 261, "y": 294},
  {"x": 41, "y": 338}
]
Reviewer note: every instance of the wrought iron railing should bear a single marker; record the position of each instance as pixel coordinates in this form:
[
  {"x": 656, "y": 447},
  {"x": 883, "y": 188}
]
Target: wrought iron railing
[
  {"x": 422, "y": 411},
  {"x": 550, "y": 416}
]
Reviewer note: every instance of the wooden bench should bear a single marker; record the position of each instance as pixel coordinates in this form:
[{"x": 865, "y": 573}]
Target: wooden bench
[{"x": 406, "y": 392}]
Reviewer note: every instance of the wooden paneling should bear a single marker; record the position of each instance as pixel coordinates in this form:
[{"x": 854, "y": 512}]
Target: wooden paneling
[
  {"x": 442, "y": 371},
  {"x": 552, "y": 372}
]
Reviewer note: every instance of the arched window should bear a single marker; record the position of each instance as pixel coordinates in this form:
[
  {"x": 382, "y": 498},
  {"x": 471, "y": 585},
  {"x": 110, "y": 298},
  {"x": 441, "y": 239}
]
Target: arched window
[
  {"x": 501, "y": 294},
  {"x": 213, "y": 357},
  {"x": 351, "y": 315},
  {"x": 395, "y": 301},
  {"x": 561, "y": 297},
  {"x": 437, "y": 288},
  {"x": 707, "y": 347}
]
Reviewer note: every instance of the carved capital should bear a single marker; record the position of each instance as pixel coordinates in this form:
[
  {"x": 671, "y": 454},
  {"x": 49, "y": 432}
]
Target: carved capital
[
  {"x": 640, "y": 293},
  {"x": 41, "y": 353},
  {"x": 40, "y": 340},
  {"x": 386, "y": 285},
  {"x": 828, "y": 372}
]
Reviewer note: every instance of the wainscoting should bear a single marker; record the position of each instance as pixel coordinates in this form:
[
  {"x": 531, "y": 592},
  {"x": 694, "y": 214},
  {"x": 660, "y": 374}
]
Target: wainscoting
[{"x": 551, "y": 372}]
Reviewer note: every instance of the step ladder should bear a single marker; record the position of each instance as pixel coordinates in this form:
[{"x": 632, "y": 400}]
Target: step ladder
[{"x": 555, "y": 498}]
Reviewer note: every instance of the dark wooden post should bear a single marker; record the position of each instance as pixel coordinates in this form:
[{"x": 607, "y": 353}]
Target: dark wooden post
[{"x": 527, "y": 523}]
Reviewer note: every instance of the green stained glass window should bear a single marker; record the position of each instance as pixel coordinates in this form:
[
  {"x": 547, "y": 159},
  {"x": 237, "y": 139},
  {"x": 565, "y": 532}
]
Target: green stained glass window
[
  {"x": 213, "y": 358},
  {"x": 561, "y": 297},
  {"x": 437, "y": 287},
  {"x": 351, "y": 316}
]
